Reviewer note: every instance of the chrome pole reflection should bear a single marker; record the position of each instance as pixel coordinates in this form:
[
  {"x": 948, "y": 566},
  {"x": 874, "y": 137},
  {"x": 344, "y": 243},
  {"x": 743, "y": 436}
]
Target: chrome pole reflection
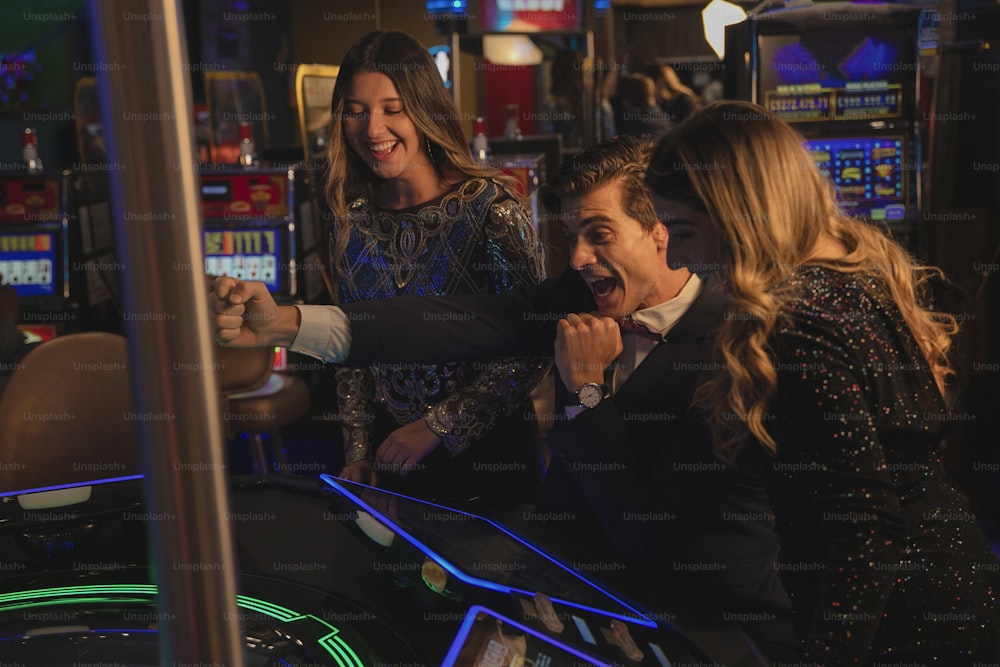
[{"x": 146, "y": 101}]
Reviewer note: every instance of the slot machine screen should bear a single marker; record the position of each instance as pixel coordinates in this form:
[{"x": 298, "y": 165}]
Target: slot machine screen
[
  {"x": 868, "y": 173},
  {"x": 837, "y": 75},
  {"x": 30, "y": 263},
  {"x": 247, "y": 254},
  {"x": 481, "y": 552}
]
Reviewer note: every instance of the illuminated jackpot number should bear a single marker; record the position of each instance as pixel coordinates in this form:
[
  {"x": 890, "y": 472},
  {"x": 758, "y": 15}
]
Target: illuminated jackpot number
[{"x": 797, "y": 104}]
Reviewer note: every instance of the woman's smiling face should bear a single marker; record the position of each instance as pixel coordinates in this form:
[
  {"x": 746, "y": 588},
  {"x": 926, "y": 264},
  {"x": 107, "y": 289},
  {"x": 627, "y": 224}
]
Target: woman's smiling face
[{"x": 378, "y": 128}]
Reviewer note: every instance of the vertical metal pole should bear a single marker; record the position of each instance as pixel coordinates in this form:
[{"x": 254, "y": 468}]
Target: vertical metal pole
[{"x": 146, "y": 102}]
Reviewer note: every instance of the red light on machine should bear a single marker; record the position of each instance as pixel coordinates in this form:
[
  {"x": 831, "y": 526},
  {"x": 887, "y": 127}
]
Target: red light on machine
[
  {"x": 280, "y": 359},
  {"x": 38, "y": 333}
]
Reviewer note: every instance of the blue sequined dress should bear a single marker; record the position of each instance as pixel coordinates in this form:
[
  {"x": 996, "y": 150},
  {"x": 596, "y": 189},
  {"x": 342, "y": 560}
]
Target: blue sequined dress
[
  {"x": 882, "y": 558},
  {"x": 474, "y": 239}
]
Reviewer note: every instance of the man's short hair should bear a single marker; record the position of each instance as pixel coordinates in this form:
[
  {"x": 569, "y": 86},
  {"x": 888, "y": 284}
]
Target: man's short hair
[{"x": 620, "y": 160}]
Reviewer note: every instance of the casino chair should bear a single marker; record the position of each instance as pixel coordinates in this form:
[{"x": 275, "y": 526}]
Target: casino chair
[
  {"x": 259, "y": 402},
  {"x": 65, "y": 415},
  {"x": 67, "y": 418}
]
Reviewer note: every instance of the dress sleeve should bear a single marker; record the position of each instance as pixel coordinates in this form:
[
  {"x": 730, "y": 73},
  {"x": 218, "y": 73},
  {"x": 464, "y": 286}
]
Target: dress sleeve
[
  {"x": 836, "y": 509},
  {"x": 355, "y": 392},
  {"x": 515, "y": 259},
  {"x": 355, "y": 395}
]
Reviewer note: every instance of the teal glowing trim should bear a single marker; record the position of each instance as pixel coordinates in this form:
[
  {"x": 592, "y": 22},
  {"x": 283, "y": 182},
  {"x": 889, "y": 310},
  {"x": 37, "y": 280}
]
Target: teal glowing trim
[{"x": 339, "y": 650}]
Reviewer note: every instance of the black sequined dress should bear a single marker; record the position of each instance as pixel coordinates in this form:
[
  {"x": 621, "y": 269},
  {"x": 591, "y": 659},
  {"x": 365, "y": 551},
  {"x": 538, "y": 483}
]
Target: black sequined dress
[
  {"x": 883, "y": 559},
  {"x": 474, "y": 239}
]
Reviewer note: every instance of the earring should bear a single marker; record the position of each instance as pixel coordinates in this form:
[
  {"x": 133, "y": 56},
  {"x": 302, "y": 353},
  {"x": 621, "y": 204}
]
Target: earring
[{"x": 430, "y": 153}]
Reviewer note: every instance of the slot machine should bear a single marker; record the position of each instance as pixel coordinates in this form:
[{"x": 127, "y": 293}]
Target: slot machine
[
  {"x": 95, "y": 270},
  {"x": 373, "y": 578},
  {"x": 848, "y": 78},
  {"x": 252, "y": 230},
  {"x": 34, "y": 250}
]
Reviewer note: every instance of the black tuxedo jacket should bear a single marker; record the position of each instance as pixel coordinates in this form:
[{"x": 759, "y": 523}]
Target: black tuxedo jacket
[{"x": 634, "y": 478}]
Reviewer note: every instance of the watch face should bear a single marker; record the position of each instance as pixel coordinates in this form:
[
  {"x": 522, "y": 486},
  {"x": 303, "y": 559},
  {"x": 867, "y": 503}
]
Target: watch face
[{"x": 590, "y": 395}]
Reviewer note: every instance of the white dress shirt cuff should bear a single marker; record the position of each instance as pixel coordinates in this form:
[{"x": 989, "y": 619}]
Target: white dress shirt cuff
[{"x": 324, "y": 333}]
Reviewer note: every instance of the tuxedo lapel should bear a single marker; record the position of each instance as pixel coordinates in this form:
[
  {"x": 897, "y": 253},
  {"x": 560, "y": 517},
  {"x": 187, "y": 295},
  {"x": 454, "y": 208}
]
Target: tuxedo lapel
[
  {"x": 658, "y": 372},
  {"x": 670, "y": 368}
]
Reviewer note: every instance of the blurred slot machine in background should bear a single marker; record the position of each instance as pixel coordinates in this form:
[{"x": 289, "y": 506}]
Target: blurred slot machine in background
[
  {"x": 527, "y": 172},
  {"x": 95, "y": 269},
  {"x": 252, "y": 232},
  {"x": 849, "y": 79},
  {"x": 34, "y": 249}
]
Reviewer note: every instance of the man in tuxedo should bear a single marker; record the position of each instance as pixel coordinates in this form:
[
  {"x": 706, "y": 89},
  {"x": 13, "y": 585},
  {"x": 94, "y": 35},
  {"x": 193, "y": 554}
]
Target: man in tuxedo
[{"x": 633, "y": 493}]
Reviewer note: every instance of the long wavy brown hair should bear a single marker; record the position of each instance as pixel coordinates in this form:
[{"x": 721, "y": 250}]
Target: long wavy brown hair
[
  {"x": 773, "y": 209},
  {"x": 426, "y": 102}
]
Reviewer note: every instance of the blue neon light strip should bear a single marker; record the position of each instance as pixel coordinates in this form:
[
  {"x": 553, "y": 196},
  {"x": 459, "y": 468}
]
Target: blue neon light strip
[
  {"x": 470, "y": 619},
  {"x": 639, "y": 618},
  {"x": 74, "y": 485}
]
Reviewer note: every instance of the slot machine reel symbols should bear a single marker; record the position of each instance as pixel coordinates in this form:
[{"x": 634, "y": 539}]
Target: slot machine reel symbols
[
  {"x": 252, "y": 269},
  {"x": 14, "y": 274},
  {"x": 30, "y": 272},
  {"x": 268, "y": 269}
]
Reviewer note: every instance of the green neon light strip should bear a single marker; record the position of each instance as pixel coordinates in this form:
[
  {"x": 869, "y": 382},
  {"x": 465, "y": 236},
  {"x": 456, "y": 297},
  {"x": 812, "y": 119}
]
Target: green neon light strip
[
  {"x": 53, "y": 603},
  {"x": 139, "y": 589},
  {"x": 267, "y": 608},
  {"x": 338, "y": 649}
]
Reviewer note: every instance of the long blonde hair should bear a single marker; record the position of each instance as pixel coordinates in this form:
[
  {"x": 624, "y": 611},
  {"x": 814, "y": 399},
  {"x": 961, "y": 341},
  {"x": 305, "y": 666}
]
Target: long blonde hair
[
  {"x": 427, "y": 104},
  {"x": 772, "y": 208}
]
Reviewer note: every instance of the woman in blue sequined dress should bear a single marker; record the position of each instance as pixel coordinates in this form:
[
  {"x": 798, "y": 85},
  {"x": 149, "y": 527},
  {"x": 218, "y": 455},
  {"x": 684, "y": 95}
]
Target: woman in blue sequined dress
[
  {"x": 833, "y": 362},
  {"x": 416, "y": 215}
]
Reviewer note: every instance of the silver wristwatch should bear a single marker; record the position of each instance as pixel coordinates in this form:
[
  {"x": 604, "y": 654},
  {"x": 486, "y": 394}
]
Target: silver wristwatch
[{"x": 591, "y": 394}]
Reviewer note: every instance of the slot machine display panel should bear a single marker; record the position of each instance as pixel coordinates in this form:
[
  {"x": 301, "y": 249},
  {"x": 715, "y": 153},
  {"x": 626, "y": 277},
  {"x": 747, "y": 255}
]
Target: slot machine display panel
[
  {"x": 493, "y": 578},
  {"x": 31, "y": 261},
  {"x": 249, "y": 227},
  {"x": 856, "y": 75},
  {"x": 30, "y": 199},
  {"x": 869, "y": 173},
  {"x": 250, "y": 253},
  {"x": 847, "y": 77},
  {"x": 34, "y": 250}
]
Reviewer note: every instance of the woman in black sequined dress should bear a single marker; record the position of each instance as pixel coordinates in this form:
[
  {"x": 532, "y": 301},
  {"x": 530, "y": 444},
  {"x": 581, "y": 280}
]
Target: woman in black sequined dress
[
  {"x": 833, "y": 362},
  {"x": 416, "y": 215}
]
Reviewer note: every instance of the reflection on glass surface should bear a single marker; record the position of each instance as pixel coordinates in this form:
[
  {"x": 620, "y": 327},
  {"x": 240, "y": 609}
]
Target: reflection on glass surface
[{"x": 481, "y": 552}]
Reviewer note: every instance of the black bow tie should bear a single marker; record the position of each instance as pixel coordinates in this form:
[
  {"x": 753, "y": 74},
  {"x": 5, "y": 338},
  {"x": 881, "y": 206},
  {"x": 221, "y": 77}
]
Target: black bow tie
[{"x": 629, "y": 325}]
